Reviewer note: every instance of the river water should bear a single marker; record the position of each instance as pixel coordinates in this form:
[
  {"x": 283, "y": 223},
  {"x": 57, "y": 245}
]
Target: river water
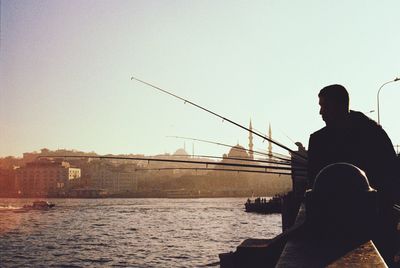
[{"x": 127, "y": 232}]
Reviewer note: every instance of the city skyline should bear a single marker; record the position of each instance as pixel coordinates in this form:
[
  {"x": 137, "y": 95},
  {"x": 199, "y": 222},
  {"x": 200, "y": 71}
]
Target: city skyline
[{"x": 66, "y": 69}]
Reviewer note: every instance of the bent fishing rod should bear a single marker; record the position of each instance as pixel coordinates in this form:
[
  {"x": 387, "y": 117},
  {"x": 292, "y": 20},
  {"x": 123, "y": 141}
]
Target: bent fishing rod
[
  {"x": 216, "y": 169},
  {"x": 149, "y": 159},
  {"x": 284, "y": 159},
  {"x": 235, "y": 159},
  {"x": 220, "y": 116}
]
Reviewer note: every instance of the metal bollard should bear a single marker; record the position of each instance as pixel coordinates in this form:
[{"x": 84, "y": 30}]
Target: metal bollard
[{"x": 341, "y": 205}]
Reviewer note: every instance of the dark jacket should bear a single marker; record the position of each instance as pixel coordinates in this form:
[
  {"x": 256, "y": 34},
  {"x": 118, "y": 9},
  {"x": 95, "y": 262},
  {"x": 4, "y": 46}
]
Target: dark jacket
[{"x": 362, "y": 143}]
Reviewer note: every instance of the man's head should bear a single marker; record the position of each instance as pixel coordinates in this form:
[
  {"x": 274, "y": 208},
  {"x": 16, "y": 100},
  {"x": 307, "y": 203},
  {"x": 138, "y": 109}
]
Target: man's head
[{"x": 334, "y": 103}]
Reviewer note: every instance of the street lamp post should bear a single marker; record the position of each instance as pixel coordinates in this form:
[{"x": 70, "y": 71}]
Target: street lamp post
[{"x": 377, "y": 97}]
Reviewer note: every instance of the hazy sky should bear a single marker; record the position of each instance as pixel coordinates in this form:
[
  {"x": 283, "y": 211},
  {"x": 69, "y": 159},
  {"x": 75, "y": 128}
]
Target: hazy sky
[{"x": 66, "y": 68}]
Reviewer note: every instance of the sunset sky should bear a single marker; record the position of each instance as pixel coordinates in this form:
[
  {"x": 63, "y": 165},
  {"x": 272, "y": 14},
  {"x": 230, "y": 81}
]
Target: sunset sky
[{"x": 66, "y": 68}]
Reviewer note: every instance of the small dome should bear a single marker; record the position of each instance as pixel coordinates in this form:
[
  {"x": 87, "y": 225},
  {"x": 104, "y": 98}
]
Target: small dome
[{"x": 181, "y": 152}]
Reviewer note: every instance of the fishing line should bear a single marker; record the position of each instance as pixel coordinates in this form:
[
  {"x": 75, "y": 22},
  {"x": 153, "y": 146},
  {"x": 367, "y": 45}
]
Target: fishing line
[{"x": 220, "y": 116}]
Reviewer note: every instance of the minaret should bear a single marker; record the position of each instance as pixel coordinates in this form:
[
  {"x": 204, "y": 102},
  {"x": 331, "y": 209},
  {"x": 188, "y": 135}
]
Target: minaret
[
  {"x": 251, "y": 142},
  {"x": 270, "y": 143}
]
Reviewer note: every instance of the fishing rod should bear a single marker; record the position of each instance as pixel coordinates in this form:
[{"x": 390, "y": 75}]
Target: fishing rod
[
  {"x": 234, "y": 158},
  {"x": 148, "y": 159},
  {"x": 285, "y": 158},
  {"x": 227, "y": 145},
  {"x": 216, "y": 169},
  {"x": 259, "y": 132},
  {"x": 220, "y": 116}
]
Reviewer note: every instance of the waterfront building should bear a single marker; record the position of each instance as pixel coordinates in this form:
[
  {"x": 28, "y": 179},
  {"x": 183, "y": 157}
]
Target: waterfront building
[
  {"x": 111, "y": 178},
  {"x": 101, "y": 174},
  {"x": 44, "y": 177},
  {"x": 125, "y": 182},
  {"x": 7, "y": 182}
]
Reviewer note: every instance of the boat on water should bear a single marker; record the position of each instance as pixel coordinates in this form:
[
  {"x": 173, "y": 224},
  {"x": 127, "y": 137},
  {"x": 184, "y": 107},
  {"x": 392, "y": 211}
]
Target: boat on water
[
  {"x": 264, "y": 206},
  {"x": 39, "y": 205},
  {"x": 36, "y": 205}
]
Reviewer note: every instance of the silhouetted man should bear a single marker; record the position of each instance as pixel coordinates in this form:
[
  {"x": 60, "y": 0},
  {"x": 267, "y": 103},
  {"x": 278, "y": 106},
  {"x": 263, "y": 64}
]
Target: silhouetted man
[{"x": 352, "y": 137}]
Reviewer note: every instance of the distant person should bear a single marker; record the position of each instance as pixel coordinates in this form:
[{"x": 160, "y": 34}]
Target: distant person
[{"x": 352, "y": 137}]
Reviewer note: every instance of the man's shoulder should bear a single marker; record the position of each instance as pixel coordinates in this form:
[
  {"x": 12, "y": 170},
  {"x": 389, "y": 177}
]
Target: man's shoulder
[
  {"x": 319, "y": 137},
  {"x": 319, "y": 133},
  {"x": 361, "y": 120}
]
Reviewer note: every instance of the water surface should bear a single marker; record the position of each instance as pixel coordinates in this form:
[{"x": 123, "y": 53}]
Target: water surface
[{"x": 127, "y": 232}]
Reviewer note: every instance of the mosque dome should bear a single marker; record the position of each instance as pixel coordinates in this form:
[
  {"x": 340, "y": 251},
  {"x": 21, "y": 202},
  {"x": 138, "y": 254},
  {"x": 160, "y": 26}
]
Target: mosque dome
[
  {"x": 238, "y": 151},
  {"x": 181, "y": 152}
]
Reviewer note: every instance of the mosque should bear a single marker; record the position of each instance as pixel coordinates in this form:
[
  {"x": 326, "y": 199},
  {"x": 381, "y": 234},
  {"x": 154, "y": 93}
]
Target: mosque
[
  {"x": 240, "y": 152},
  {"x": 237, "y": 151}
]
